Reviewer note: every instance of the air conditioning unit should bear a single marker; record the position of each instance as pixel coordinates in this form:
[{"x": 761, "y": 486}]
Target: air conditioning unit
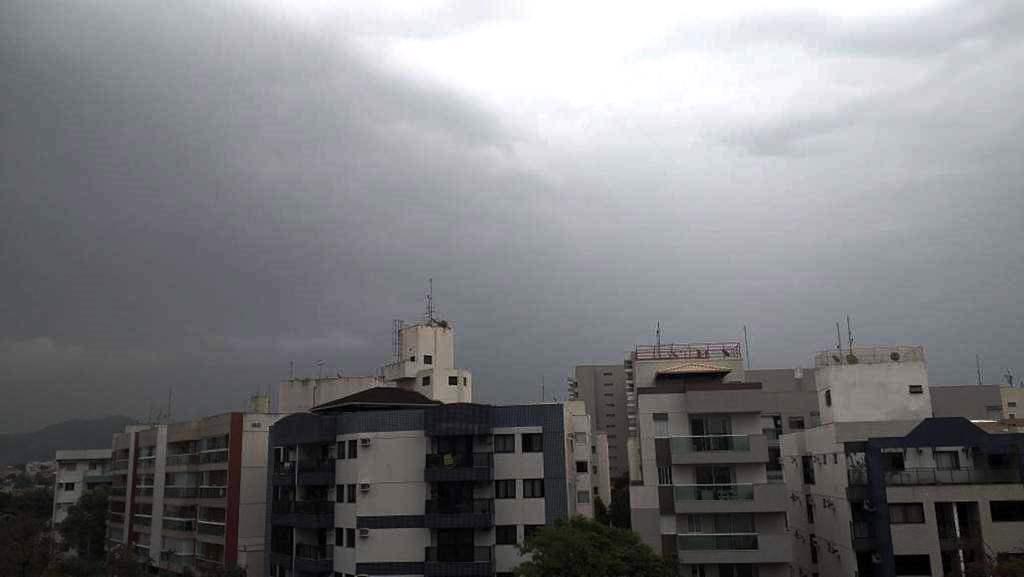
[
  {"x": 364, "y": 441},
  {"x": 364, "y": 487},
  {"x": 868, "y": 506},
  {"x": 876, "y": 558},
  {"x": 364, "y": 533}
]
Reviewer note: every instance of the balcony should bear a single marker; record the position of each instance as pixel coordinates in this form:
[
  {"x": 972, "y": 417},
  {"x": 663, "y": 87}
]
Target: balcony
[
  {"x": 738, "y": 498},
  {"x": 316, "y": 472},
  {"x": 303, "y": 514},
  {"x": 734, "y": 548},
  {"x": 182, "y": 459},
  {"x": 118, "y": 491},
  {"x": 180, "y": 525},
  {"x": 710, "y": 449},
  {"x": 474, "y": 513},
  {"x": 212, "y": 457},
  {"x": 181, "y": 492},
  {"x": 213, "y": 492},
  {"x": 208, "y": 528},
  {"x": 462, "y": 560},
  {"x": 119, "y": 465},
  {"x": 144, "y": 491},
  {"x": 862, "y": 534},
  {"x": 953, "y": 477},
  {"x": 459, "y": 467},
  {"x": 314, "y": 558}
]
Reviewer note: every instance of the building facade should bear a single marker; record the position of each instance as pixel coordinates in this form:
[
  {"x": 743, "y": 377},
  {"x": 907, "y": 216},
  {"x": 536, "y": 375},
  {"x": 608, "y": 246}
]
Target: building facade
[
  {"x": 602, "y": 389},
  {"x": 968, "y": 401},
  {"x": 191, "y": 496},
  {"x": 77, "y": 472},
  {"x": 390, "y": 482},
  {"x": 706, "y": 478}
]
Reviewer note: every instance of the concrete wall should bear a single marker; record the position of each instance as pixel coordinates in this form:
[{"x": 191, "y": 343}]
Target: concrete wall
[
  {"x": 1012, "y": 401},
  {"x": 873, "y": 392},
  {"x": 602, "y": 388},
  {"x": 969, "y": 401},
  {"x": 298, "y": 395}
]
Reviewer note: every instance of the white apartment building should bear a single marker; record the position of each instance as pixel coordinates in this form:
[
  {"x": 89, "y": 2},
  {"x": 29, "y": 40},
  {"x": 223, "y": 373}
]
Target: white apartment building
[
  {"x": 706, "y": 477},
  {"x": 77, "y": 472},
  {"x": 191, "y": 496},
  {"x": 881, "y": 488},
  {"x": 391, "y": 482}
]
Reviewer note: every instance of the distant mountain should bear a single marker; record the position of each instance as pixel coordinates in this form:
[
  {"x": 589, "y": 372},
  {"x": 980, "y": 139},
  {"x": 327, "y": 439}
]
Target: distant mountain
[{"x": 41, "y": 445}]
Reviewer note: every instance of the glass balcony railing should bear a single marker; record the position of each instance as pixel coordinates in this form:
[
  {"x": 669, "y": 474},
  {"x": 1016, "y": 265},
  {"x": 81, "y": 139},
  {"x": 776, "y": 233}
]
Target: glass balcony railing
[
  {"x": 218, "y": 456},
  {"x": 213, "y": 492},
  {"x": 206, "y": 528},
  {"x": 459, "y": 554},
  {"x": 459, "y": 460},
  {"x": 182, "y": 459},
  {"x": 952, "y": 476},
  {"x": 698, "y": 542},
  {"x": 314, "y": 552},
  {"x": 180, "y": 525},
  {"x": 469, "y": 506},
  {"x": 705, "y": 443},
  {"x": 732, "y": 492}
]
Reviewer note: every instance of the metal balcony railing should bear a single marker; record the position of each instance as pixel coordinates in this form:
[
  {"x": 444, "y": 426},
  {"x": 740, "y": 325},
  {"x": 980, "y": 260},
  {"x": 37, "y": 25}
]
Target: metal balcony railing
[
  {"x": 181, "y": 492},
  {"x": 218, "y": 456},
  {"x": 731, "y": 492},
  {"x": 182, "y": 459},
  {"x": 704, "y": 443},
  {"x": 729, "y": 541},
  {"x": 206, "y": 528},
  {"x": 180, "y": 525},
  {"x": 213, "y": 492}
]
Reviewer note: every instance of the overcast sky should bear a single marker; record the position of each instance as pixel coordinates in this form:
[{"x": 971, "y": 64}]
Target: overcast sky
[{"x": 196, "y": 193}]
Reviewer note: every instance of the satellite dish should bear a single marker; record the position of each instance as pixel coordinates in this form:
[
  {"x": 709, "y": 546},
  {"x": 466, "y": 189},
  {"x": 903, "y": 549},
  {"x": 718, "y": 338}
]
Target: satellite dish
[{"x": 895, "y": 356}]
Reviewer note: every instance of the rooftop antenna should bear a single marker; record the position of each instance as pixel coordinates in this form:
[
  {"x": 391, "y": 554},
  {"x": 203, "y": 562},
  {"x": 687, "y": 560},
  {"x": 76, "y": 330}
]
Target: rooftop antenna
[
  {"x": 839, "y": 339},
  {"x": 746, "y": 345},
  {"x": 977, "y": 364},
  {"x": 430, "y": 299},
  {"x": 1009, "y": 377},
  {"x": 170, "y": 400},
  {"x": 657, "y": 337},
  {"x": 849, "y": 332},
  {"x": 542, "y": 388},
  {"x": 320, "y": 367},
  {"x": 291, "y": 370}
]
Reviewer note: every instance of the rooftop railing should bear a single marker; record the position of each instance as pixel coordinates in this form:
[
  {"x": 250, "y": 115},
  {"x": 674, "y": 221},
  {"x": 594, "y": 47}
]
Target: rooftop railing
[
  {"x": 870, "y": 355},
  {"x": 688, "y": 351}
]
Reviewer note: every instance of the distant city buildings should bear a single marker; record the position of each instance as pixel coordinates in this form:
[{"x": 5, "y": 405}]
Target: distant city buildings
[{"x": 76, "y": 472}]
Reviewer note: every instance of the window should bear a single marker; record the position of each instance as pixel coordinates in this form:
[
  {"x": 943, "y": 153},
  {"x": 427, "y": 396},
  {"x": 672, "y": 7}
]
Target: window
[
  {"x": 426, "y": 381},
  {"x": 710, "y": 425},
  {"x": 351, "y": 493},
  {"x": 892, "y": 461},
  {"x": 1007, "y": 511},
  {"x": 530, "y": 530},
  {"x": 660, "y": 424},
  {"x": 532, "y": 443},
  {"x": 810, "y": 509},
  {"x": 533, "y": 488},
  {"x": 453, "y": 381},
  {"x": 1011, "y": 404},
  {"x": 581, "y": 467},
  {"x": 69, "y": 486},
  {"x": 428, "y": 359},
  {"x": 828, "y": 397},
  {"x": 504, "y": 443},
  {"x": 350, "y": 538},
  {"x": 505, "y": 489},
  {"x": 665, "y": 475},
  {"x": 353, "y": 450},
  {"x": 610, "y": 405},
  {"x": 341, "y": 449},
  {"x": 606, "y": 374},
  {"x": 913, "y": 565},
  {"x": 721, "y": 523},
  {"x": 608, "y": 384},
  {"x": 714, "y": 474},
  {"x": 796, "y": 423},
  {"x": 916, "y": 390},
  {"x": 906, "y": 513},
  {"x": 736, "y": 570},
  {"x": 807, "y": 464},
  {"x": 814, "y": 550},
  {"x": 580, "y": 438},
  {"x": 947, "y": 460},
  {"x": 582, "y": 496},
  {"x": 609, "y": 394},
  {"x": 339, "y": 494},
  {"x": 610, "y": 415},
  {"x": 505, "y": 535},
  {"x": 339, "y": 537}
]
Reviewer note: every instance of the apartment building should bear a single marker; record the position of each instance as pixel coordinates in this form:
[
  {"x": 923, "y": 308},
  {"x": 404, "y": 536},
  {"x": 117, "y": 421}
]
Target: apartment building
[
  {"x": 191, "y": 496},
  {"x": 882, "y": 488},
  {"x": 602, "y": 389},
  {"x": 390, "y": 482},
  {"x": 969, "y": 401},
  {"x": 706, "y": 477},
  {"x": 77, "y": 472}
]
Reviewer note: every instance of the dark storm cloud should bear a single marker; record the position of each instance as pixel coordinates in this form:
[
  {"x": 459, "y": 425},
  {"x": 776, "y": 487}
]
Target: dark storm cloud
[{"x": 195, "y": 194}]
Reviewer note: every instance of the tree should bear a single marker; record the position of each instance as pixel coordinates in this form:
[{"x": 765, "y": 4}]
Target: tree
[
  {"x": 25, "y": 545},
  {"x": 601, "y": 512},
  {"x": 620, "y": 503},
  {"x": 84, "y": 528},
  {"x": 585, "y": 548}
]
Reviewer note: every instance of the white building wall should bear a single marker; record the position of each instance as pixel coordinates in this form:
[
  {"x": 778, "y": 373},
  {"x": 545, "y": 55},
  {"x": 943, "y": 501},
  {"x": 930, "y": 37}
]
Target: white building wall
[{"x": 874, "y": 392}]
